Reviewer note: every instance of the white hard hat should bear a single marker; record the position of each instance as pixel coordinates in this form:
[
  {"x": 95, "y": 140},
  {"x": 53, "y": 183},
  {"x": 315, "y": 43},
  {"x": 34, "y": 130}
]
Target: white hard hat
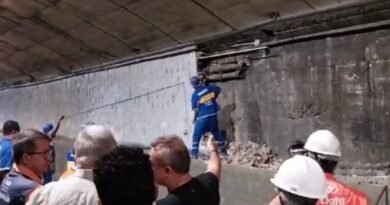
[
  {"x": 302, "y": 176},
  {"x": 323, "y": 142}
]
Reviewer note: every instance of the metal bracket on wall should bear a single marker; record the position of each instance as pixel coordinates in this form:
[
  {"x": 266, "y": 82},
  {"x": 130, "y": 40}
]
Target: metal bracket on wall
[
  {"x": 228, "y": 71},
  {"x": 229, "y": 65},
  {"x": 263, "y": 49}
]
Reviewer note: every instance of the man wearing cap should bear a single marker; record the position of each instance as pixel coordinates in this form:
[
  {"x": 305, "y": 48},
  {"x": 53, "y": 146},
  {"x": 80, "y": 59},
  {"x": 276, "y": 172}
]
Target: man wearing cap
[
  {"x": 324, "y": 147},
  {"x": 51, "y": 133},
  {"x": 205, "y": 107}
]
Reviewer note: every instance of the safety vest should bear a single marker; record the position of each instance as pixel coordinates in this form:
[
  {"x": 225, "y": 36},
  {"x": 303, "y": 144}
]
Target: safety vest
[
  {"x": 340, "y": 194},
  {"x": 67, "y": 173},
  {"x": 70, "y": 165}
]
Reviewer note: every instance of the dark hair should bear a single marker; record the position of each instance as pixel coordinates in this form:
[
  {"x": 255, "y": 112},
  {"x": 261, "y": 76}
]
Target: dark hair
[
  {"x": 325, "y": 161},
  {"x": 10, "y": 126},
  {"x": 173, "y": 153},
  {"x": 24, "y": 142},
  {"x": 327, "y": 165},
  {"x": 125, "y": 176},
  {"x": 296, "y": 147}
]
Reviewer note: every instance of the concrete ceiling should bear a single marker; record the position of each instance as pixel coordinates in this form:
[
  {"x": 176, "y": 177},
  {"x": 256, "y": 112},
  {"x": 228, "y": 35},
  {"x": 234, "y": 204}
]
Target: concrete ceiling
[{"x": 40, "y": 39}]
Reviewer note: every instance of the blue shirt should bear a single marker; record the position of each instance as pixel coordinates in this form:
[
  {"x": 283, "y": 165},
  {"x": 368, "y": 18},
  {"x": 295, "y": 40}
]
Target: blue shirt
[
  {"x": 204, "y": 100},
  {"x": 15, "y": 188},
  {"x": 6, "y": 154}
]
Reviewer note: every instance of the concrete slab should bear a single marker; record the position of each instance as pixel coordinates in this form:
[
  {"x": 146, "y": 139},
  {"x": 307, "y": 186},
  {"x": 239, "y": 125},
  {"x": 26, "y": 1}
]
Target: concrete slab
[
  {"x": 11, "y": 79},
  {"x": 16, "y": 39},
  {"x": 58, "y": 17},
  {"x": 345, "y": 2},
  {"x": 43, "y": 72},
  {"x": 126, "y": 2},
  {"x": 100, "y": 40},
  {"x": 133, "y": 30},
  {"x": 23, "y": 8},
  {"x": 152, "y": 25},
  {"x": 92, "y": 8},
  {"x": 244, "y": 14},
  {"x": 6, "y": 50},
  {"x": 35, "y": 31},
  {"x": 67, "y": 47},
  {"x": 6, "y": 25},
  {"x": 91, "y": 60},
  {"x": 323, "y": 4},
  {"x": 46, "y": 53},
  {"x": 182, "y": 19},
  {"x": 6, "y": 69},
  {"x": 4, "y": 77},
  {"x": 26, "y": 61},
  {"x": 10, "y": 16}
]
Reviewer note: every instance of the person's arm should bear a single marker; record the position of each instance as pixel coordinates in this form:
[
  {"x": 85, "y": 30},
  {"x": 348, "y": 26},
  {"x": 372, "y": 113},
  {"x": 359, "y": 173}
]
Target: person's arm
[
  {"x": 217, "y": 90},
  {"x": 54, "y": 133},
  {"x": 195, "y": 107},
  {"x": 214, "y": 165}
]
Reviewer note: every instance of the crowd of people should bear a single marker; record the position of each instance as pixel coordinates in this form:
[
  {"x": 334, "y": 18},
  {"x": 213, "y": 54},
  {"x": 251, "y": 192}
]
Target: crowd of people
[
  {"x": 107, "y": 173},
  {"x": 103, "y": 172}
]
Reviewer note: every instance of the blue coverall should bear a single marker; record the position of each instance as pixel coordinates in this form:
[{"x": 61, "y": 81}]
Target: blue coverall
[{"x": 205, "y": 106}]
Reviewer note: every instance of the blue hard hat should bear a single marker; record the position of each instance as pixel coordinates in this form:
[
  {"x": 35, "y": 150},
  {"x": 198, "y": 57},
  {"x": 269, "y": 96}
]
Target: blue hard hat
[
  {"x": 195, "y": 81},
  {"x": 47, "y": 128},
  {"x": 70, "y": 155}
]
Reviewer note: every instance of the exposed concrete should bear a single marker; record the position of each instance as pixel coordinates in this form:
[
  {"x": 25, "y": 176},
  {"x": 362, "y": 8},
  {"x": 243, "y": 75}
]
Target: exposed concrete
[
  {"x": 40, "y": 33},
  {"x": 338, "y": 83},
  {"x": 138, "y": 101}
]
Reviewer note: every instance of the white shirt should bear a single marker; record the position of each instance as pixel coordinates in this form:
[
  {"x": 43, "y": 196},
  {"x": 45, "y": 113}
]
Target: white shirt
[{"x": 77, "y": 189}]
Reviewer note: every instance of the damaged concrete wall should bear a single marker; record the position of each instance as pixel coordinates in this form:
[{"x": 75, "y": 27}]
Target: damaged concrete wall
[
  {"x": 139, "y": 102},
  {"x": 338, "y": 83}
]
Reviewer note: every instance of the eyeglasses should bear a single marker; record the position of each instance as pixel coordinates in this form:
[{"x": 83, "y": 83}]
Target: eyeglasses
[
  {"x": 293, "y": 152},
  {"x": 45, "y": 154}
]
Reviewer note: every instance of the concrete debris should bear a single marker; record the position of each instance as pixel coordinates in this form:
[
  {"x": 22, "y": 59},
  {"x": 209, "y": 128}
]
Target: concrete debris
[
  {"x": 251, "y": 154},
  {"x": 248, "y": 154}
]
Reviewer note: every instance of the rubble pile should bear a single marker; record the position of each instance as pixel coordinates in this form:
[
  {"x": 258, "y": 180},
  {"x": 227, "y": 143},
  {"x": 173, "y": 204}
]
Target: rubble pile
[{"x": 251, "y": 154}]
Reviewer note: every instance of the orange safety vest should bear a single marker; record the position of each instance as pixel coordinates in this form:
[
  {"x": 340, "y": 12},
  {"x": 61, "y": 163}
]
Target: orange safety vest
[
  {"x": 70, "y": 168},
  {"x": 340, "y": 194}
]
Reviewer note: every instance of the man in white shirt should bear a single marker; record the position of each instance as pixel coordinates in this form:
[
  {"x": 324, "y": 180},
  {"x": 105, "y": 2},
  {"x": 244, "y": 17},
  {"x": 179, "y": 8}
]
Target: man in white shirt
[{"x": 93, "y": 142}]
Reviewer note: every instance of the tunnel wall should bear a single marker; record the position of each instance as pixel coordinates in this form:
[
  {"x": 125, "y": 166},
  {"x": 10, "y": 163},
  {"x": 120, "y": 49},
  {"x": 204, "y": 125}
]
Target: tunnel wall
[
  {"x": 339, "y": 83},
  {"x": 139, "y": 102}
]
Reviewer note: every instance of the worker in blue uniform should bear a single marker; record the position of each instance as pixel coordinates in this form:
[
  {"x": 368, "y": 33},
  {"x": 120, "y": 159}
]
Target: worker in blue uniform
[
  {"x": 51, "y": 131},
  {"x": 205, "y": 107}
]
